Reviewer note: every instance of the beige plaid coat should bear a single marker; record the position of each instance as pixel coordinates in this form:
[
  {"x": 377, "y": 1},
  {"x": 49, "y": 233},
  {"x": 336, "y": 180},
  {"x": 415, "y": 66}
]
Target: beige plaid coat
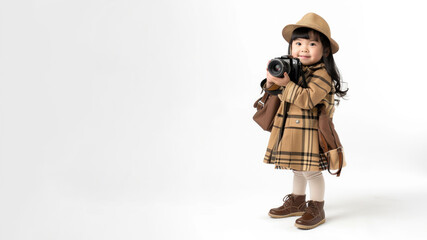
[{"x": 298, "y": 148}]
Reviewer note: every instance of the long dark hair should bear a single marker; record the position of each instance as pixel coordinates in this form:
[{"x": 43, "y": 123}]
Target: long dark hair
[{"x": 327, "y": 58}]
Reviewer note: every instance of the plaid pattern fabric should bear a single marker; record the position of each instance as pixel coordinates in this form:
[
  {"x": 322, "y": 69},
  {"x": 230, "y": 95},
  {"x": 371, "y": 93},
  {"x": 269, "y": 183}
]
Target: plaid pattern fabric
[{"x": 298, "y": 148}]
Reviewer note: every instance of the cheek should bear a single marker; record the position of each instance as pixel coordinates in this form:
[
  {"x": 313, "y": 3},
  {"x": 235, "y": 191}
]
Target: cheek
[
  {"x": 319, "y": 54},
  {"x": 294, "y": 52}
]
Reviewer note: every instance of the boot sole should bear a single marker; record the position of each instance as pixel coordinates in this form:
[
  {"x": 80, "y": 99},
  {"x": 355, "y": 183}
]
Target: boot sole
[
  {"x": 310, "y": 226},
  {"x": 283, "y": 216}
]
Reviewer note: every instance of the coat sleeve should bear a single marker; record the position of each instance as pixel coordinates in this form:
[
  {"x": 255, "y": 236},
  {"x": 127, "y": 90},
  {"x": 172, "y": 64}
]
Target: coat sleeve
[{"x": 308, "y": 98}]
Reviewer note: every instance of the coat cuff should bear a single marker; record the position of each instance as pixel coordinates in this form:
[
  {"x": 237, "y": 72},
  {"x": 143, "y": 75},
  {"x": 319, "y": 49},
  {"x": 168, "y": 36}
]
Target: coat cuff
[
  {"x": 273, "y": 90},
  {"x": 274, "y": 87}
]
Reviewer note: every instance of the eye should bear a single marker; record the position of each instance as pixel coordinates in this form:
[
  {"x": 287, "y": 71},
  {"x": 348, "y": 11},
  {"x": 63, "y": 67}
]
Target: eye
[
  {"x": 298, "y": 43},
  {"x": 313, "y": 44}
]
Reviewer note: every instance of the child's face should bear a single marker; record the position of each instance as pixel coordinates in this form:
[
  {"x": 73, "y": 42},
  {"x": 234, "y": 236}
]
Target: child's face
[{"x": 308, "y": 51}]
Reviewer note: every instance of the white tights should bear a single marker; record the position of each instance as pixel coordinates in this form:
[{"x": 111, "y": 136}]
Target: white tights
[{"x": 316, "y": 182}]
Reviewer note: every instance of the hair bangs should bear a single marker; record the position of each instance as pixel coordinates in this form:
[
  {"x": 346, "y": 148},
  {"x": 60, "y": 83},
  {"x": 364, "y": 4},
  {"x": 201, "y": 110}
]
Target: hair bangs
[{"x": 305, "y": 33}]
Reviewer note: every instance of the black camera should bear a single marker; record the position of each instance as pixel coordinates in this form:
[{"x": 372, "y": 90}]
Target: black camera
[{"x": 292, "y": 66}]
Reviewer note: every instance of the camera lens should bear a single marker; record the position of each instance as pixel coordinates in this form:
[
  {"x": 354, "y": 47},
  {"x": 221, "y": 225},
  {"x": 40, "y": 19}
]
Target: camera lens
[{"x": 277, "y": 67}]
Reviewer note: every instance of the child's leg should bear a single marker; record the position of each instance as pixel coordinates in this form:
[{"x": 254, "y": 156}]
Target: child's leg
[
  {"x": 314, "y": 214},
  {"x": 317, "y": 185},
  {"x": 300, "y": 183}
]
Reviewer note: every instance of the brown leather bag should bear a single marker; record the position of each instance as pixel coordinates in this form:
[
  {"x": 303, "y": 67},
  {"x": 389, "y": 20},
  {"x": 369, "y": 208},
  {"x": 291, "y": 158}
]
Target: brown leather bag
[
  {"x": 330, "y": 144},
  {"x": 267, "y": 107}
]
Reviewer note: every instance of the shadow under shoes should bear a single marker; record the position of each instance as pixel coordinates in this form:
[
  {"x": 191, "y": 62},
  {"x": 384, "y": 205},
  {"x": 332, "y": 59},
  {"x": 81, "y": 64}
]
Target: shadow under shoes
[
  {"x": 293, "y": 205},
  {"x": 313, "y": 216}
]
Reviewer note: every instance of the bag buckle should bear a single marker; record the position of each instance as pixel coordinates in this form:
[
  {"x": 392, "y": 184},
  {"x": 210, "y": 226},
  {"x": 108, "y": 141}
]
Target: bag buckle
[{"x": 261, "y": 103}]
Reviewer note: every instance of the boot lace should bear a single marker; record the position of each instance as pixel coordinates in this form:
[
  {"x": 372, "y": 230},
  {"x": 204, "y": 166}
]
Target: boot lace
[
  {"x": 311, "y": 208},
  {"x": 288, "y": 200}
]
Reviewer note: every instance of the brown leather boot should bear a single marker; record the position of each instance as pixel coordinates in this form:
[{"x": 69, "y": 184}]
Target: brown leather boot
[
  {"x": 314, "y": 216},
  {"x": 294, "y": 205}
]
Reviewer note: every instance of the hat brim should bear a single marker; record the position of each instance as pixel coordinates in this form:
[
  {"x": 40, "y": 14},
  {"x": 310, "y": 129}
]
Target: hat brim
[{"x": 289, "y": 29}]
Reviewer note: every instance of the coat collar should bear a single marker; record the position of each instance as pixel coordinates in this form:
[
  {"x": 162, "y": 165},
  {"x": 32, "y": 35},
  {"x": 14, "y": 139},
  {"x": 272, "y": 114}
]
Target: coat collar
[{"x": 312, "y": 68}]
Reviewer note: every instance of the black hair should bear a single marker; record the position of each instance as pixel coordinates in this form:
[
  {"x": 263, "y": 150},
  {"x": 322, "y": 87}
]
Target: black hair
[{"x": 327, "y": 56}]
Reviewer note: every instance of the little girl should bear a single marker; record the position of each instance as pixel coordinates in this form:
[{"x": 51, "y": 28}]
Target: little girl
[{"x": 295, "y": 144}]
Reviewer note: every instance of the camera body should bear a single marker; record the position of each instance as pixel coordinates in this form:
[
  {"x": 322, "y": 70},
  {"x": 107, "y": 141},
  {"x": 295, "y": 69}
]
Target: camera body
[{"x": 292, "y": 66}]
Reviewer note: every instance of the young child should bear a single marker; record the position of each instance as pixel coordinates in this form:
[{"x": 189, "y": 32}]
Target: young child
[{"x": 296, "y": 146}]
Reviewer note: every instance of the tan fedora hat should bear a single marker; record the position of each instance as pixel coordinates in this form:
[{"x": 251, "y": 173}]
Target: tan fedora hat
[{"x": 313, "y": 21}]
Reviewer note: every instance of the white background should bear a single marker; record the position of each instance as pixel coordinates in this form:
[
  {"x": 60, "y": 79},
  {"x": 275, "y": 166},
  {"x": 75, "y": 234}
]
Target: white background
[{"x": 126, "y": 119}]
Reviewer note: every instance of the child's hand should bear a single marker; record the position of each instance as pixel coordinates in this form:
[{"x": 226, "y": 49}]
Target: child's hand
[{"x": 278, "y": 81}]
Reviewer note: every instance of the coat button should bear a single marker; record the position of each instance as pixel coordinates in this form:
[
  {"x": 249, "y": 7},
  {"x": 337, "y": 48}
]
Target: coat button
[{"x": 297, "y": 121}]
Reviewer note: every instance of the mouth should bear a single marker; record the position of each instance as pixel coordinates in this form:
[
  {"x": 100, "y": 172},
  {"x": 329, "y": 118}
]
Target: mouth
[{"x": 300, "y": 56}]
